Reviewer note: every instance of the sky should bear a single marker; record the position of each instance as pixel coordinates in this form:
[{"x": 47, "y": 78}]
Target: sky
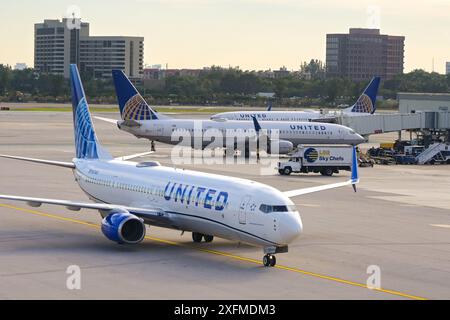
[{"x": 251, "y": 34}]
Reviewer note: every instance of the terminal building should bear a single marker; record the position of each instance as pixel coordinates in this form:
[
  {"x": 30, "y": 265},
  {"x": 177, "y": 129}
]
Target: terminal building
[
  {"x": 363, "y": 53},
  {"x": 412, "y": 102},
  {"x": 57, "y": 44}
]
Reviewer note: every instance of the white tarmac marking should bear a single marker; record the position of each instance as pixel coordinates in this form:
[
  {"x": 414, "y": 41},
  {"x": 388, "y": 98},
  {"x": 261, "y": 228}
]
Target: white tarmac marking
[{"x": 441, "y": 225}]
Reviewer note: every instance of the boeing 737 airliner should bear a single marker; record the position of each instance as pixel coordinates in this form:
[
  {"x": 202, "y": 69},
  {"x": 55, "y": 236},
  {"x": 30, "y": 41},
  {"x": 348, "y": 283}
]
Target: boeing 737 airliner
[
  {"x": 143, "y": 122},
  {"x": 365, "y": 105},
  {"x": 130, "y": 195}
]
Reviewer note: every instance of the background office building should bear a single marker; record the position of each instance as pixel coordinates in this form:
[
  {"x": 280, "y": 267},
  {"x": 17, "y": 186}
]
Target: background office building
[
  {"x": 447, "y": 67},
  {"x": 363, "y": 53},
  {"x": 57, "y": 46}
]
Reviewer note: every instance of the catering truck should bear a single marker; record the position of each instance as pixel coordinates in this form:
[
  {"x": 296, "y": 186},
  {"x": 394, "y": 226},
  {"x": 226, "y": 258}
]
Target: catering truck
[{"x": 324, "y": 159}]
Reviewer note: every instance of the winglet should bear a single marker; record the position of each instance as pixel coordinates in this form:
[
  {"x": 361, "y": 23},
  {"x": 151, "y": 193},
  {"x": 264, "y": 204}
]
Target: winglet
[
  {"x": 355, "y": 176},
  {"x": 256, "y": 124}
]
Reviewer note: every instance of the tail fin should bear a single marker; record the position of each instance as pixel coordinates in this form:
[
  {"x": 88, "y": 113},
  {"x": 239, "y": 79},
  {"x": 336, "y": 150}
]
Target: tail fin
[
  {"x": 367, "y": 101},
  {"x": 86, "y": 143},
  {"x": 132, "y": 105}
]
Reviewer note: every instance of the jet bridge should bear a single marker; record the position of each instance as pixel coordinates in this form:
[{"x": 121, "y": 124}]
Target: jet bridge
[{"x": 382, "y": 123}]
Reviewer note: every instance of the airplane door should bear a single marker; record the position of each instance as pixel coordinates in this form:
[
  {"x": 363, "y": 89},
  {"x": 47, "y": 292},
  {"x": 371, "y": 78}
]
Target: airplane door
[
  {"x": 159, "y": 130},
  {"x": 243, "y": 209}
]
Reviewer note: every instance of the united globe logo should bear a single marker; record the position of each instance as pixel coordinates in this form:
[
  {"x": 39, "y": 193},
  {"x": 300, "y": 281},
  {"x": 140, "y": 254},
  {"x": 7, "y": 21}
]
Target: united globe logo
[
  {"x": 364, "y": 104},
  {"x": 137, "y": 109},
  {"x": 311, "y": 155}
]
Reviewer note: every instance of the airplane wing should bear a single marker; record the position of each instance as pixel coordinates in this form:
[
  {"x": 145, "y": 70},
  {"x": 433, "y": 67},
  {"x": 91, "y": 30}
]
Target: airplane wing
[
  {"x": 159, "y": 217},
  {"x": 353, "y": 181}
]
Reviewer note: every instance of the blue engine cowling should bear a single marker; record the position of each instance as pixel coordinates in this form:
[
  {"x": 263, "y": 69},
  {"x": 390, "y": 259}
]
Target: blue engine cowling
[{"x": 123, "y": 227}]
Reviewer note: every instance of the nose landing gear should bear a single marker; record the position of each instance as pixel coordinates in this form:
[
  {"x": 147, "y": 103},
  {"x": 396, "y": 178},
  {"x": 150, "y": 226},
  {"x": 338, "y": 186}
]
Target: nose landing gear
[{"x": 269, "y": 260}]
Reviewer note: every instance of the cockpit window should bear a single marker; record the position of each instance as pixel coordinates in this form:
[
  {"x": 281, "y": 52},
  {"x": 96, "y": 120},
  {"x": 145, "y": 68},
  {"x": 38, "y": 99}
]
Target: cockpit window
[{"x": 274, "y": 208}]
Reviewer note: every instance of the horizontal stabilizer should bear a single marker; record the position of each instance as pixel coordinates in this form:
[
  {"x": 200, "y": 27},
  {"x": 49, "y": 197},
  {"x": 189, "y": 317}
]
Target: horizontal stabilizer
[
  {"x": 132, "y": 156},
  {"x": 106, "y": 119},
  {"x": 130, "y": 123}
]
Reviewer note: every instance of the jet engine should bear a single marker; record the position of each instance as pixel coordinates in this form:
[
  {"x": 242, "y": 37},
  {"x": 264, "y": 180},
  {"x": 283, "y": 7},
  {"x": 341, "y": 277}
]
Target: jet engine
[
  {"x": 123, "y": 227},
  {"x": 279, "y": 146}
]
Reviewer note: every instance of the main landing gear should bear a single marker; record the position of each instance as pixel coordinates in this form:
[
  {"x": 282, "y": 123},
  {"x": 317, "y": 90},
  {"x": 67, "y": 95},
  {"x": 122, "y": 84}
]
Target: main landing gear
[
  {"x": 197, "y": 237},
  {"x": 269, "y": 260}
]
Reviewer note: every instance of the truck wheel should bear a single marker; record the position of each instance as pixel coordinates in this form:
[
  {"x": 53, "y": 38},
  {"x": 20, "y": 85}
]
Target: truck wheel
[
  {"x": 327, "y": 172},
  {"x": 281, "y": 172},
  {"x": 287, "y": 171}
]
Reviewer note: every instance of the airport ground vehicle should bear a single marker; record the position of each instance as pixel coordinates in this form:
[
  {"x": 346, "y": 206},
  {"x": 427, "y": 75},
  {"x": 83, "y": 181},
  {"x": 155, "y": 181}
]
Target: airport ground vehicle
[{"x": 324, "y": 159}]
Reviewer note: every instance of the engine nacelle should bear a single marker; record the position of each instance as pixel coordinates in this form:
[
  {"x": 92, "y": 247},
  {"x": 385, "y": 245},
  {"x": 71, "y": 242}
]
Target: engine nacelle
[
  {"x": 279, "y": 146},
  {"x": 123, "y": 227}
]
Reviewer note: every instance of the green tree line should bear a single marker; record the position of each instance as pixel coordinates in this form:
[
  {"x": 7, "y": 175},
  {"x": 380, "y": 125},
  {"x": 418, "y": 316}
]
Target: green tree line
[{"x": 219, "y": 86}]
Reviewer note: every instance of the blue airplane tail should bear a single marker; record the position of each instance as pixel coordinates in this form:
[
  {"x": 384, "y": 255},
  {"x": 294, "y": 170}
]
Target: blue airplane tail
[
  {"x": 131, "y": 104},
  {"x": 86, "y": 143},
  {"x": 366, "y": 103}
]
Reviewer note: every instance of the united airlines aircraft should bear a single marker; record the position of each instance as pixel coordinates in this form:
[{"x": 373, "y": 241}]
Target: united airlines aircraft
[
  {"x": 365, "y": 105},
  {"x": 131, "y": 195},
  {"x": 139, "y": 119}
]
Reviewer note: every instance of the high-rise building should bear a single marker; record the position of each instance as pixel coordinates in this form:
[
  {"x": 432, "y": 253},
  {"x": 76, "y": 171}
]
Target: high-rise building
[
  {"x": 58, "y": 44},
  {"x": 99, "y": 55},
  {"x": 364, "y": 53},
  {"x": 447, "y": 67}
]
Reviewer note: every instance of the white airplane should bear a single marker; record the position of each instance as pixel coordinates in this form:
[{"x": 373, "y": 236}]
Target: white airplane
[
  {"x": 130, "y": 195},
  {"x": 366, "y": 104},
  {"x": 143, "y": 122}
]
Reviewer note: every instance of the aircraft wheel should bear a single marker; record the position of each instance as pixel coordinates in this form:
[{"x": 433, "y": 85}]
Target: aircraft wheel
[
  {"x": 267, "y": 260},
  {"x": 208, "y": 238},
  {"x": 273, "y": 261},
  {"x": 197, "y": 237}
]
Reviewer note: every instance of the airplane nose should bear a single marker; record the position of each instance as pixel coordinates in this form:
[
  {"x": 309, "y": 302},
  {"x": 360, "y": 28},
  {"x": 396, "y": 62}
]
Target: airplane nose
[
  {"x": 291, "y": 227},
  {"x": 359, "y": 139}
]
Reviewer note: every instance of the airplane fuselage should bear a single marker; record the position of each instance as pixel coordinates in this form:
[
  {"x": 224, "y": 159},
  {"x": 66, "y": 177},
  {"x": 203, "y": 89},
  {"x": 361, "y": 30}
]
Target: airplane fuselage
[
  {"x": 206, "y": 203},
  {"x": 169, "y": 131},
  {"x": 270, "y": 115}
]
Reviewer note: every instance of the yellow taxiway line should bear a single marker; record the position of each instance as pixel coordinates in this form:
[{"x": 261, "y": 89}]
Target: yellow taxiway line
[{"x": 220, "y": 253}]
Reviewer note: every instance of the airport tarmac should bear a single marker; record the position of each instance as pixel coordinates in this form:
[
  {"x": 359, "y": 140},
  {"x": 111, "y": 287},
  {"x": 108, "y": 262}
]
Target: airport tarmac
[{"x": 399, "y": 221}]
